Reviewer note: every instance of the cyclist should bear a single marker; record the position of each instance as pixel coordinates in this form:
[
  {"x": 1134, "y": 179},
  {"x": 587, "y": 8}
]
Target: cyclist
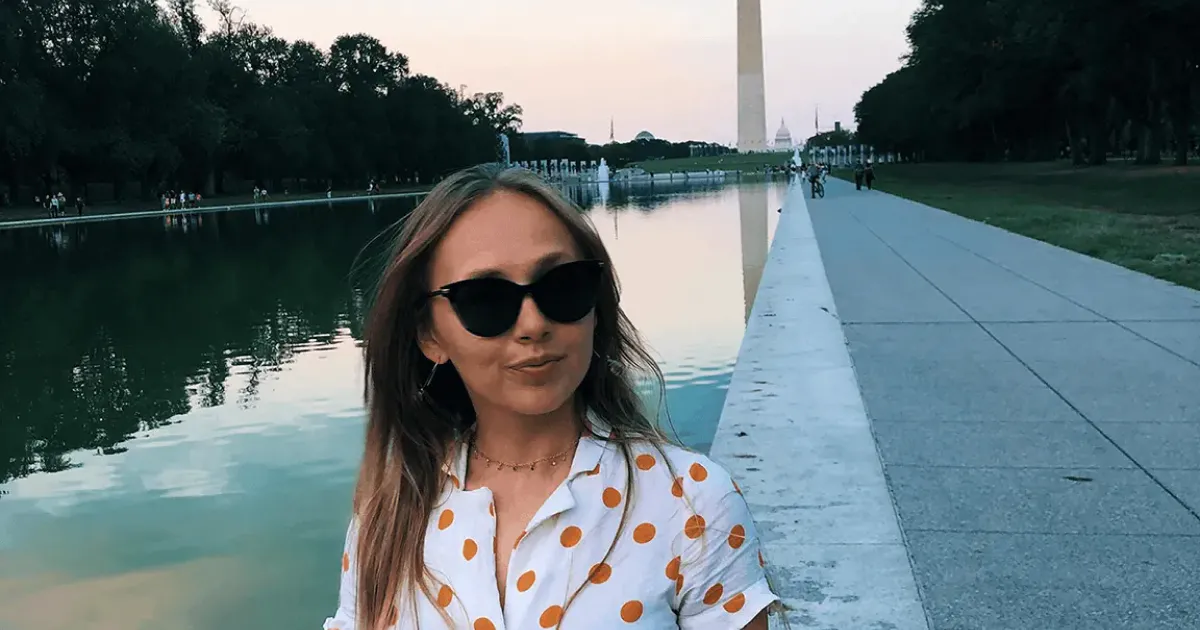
[{"x": 814, "y": 179}]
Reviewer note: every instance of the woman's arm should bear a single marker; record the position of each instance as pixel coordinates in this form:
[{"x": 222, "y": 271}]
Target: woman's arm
[
  {"x": 758, "y": 623},
  {"x": 724, "y": 584},
  {"x": 346, "y": 613}
]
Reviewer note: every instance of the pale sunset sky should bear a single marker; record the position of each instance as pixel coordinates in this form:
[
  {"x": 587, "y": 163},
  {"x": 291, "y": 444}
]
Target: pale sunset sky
[{"x": 665, "y": 66}]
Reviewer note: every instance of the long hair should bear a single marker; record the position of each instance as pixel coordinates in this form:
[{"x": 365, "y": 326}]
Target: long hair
[{"x": 409, "y": 437}]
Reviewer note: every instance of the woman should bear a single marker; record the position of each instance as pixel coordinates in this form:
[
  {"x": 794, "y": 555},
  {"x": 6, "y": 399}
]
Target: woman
[{"x": 511, "y": 478}]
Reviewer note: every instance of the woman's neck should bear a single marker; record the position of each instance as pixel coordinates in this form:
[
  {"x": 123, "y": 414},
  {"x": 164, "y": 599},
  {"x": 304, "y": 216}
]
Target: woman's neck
[{"x": 518, "y": 439}]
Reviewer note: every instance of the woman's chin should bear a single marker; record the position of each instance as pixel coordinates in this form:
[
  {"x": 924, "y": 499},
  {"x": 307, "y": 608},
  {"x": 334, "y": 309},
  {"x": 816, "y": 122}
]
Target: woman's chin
[{"x": 538, "y": 402}]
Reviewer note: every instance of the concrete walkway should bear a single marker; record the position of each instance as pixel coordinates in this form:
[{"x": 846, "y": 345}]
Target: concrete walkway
[
  {"x": 795, "y": 434},
  {"x": 1037, "y": 413}
]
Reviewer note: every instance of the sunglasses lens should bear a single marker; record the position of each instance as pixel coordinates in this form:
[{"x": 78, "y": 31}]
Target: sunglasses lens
[
  {"x": 487, "y": 307},
  {"x": 567, "y": 293}
]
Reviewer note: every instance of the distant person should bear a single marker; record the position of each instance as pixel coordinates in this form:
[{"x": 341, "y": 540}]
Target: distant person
[
  {"x": 859, "y": 173},
  {"x": 814, "y": 179},
  {"x": 508, "y": 457},
  {"x": 869, "y": 175},
  {"x": 79, "y": 206}
]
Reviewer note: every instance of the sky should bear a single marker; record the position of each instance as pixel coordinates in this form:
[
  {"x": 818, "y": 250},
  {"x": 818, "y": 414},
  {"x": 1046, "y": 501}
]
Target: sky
[{"x": 664, "y": 66}]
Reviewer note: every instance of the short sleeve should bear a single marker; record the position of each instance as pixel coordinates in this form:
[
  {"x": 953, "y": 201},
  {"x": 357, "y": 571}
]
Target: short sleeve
[
  {"x": 724, "y": 584},
  {"x": 344, "y": 617}
]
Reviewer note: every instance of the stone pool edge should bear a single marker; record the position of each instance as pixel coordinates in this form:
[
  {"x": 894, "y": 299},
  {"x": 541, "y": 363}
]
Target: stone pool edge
[
  {"x": 149, "y": 214},
  {"x": 795, "y": 434}
]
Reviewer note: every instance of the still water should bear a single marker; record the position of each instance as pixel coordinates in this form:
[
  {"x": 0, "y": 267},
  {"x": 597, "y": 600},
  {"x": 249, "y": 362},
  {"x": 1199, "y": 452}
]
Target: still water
[{"x": 180, "y": 399}]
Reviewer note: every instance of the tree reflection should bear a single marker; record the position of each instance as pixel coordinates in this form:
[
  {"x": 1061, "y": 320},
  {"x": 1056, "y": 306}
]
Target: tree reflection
[
  {"x": 114, "y": 335},
  {"x": 643, "y": 196}
]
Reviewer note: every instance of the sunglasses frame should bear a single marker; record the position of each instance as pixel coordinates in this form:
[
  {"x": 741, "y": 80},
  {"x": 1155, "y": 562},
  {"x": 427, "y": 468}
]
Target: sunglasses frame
[{"x": 447, "y": 291}]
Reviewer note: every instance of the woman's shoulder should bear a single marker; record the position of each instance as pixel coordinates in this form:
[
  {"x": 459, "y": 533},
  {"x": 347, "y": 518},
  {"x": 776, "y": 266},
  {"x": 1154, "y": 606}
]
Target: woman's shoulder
[{"x": 687, "y": 472}]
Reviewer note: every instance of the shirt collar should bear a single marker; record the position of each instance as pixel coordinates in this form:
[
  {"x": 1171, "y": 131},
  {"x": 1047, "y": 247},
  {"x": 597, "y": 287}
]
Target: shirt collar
[{"x": 592, "y": 446}]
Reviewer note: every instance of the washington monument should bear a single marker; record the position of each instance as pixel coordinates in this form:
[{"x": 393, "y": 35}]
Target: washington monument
[{"x": 752, "y": 109}]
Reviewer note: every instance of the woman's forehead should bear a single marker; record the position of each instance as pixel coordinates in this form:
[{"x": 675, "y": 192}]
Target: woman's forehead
[{"x": 505, "y": 234}]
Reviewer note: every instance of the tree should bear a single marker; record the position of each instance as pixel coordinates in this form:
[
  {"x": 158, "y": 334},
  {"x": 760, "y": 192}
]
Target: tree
[
  {"x": 1025, "y": 79},
  {"x": 127, "y": 98}
]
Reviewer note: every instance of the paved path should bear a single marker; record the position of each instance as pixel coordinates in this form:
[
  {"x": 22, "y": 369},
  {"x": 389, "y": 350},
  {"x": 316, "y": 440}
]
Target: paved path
[{"x": 1037, "y": 413}]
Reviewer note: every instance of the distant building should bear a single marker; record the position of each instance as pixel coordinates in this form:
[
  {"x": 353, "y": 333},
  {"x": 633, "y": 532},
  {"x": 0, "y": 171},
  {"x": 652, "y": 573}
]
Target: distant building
[
  {"x": 837, "y": 126},
  {"x": 783, "y": 138},
  {"x": 645, "y": 135}
]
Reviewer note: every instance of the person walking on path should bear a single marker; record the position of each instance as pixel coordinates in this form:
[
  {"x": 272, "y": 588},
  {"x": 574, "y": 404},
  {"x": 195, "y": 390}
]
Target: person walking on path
[
  {"x": 869, "y": 175},
  {"x": 859, "y": 172}
]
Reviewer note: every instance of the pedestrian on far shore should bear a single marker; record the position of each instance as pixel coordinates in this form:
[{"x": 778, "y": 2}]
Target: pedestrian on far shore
[{"x": 859, "y": 173}]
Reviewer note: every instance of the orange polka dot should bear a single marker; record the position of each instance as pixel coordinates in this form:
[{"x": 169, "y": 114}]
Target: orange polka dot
[
  {"x": 679, "y": 584},
  {"x": 677, "y": 487},
  {"x": 550, "y": 617},
  {"x": 645, "y": 461},
  {"x": 643, "y": 533},
  {"x": 673, "y": 568},
  {"x": 470, "y": 549},
  {"x": 737, "y": 536},
  {"x": 631, "y": 611},
  {"x": 599, "y": 573},
  {"x": 518, "y": 540},
  {"x": 735, "y": 603},
  {"x": 454, "y": 480},
  {"x": 713, "y": 594},
  {"x": 694, "y": 528},
  {"x": 595, "y": 471},
  {"x": 345, "y": 562},
  {"x": 445, "y": 596},
  {"x": 612, "y": 497},
  {"x": 483, "y": 623},
  {"x": 525, "y": 582},
  {"x": 446, "y": 519},
  {"x": 698, "y": 472},
  {"x": 570, "y": 536}
]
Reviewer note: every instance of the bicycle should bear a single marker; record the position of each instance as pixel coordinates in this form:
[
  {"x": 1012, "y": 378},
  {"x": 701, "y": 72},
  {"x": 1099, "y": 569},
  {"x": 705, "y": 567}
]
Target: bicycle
[{"x": 818, "y": 189}]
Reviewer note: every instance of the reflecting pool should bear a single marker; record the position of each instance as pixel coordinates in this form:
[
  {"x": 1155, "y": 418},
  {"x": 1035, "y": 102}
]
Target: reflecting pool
[{"x": 180, "y": 398}]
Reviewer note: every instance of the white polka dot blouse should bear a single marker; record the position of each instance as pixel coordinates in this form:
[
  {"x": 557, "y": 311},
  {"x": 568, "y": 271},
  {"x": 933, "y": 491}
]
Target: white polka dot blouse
[{"x": 688, "y": 556}]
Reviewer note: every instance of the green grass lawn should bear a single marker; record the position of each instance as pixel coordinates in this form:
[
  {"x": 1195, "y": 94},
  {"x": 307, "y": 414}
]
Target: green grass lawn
[
  {"x": 729, "y": 162},
  {"x": 1143, "y": 218}
]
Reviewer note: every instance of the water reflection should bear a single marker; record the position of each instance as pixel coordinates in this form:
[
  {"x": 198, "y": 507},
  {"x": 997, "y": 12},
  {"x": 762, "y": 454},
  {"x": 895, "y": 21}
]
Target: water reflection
[
  {"x": 752, "y": 212},
  {"x": 642, "y": 196},
  {"x": 180, "y": 413},
  {"x": 131, "y": 327}
]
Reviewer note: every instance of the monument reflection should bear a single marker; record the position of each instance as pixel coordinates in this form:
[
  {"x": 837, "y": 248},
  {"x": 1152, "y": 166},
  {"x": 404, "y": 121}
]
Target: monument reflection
[{"x": 752, "y": 211}]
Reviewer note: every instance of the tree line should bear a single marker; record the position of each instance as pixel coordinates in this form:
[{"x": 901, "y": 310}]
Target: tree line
[
  {"x": 1042, "y": 79},
  {"x": 139, "y": 97}
]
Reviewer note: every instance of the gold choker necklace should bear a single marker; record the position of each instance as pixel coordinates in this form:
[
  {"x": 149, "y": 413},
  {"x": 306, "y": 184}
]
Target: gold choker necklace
[{"x": 501, "y": 465}]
